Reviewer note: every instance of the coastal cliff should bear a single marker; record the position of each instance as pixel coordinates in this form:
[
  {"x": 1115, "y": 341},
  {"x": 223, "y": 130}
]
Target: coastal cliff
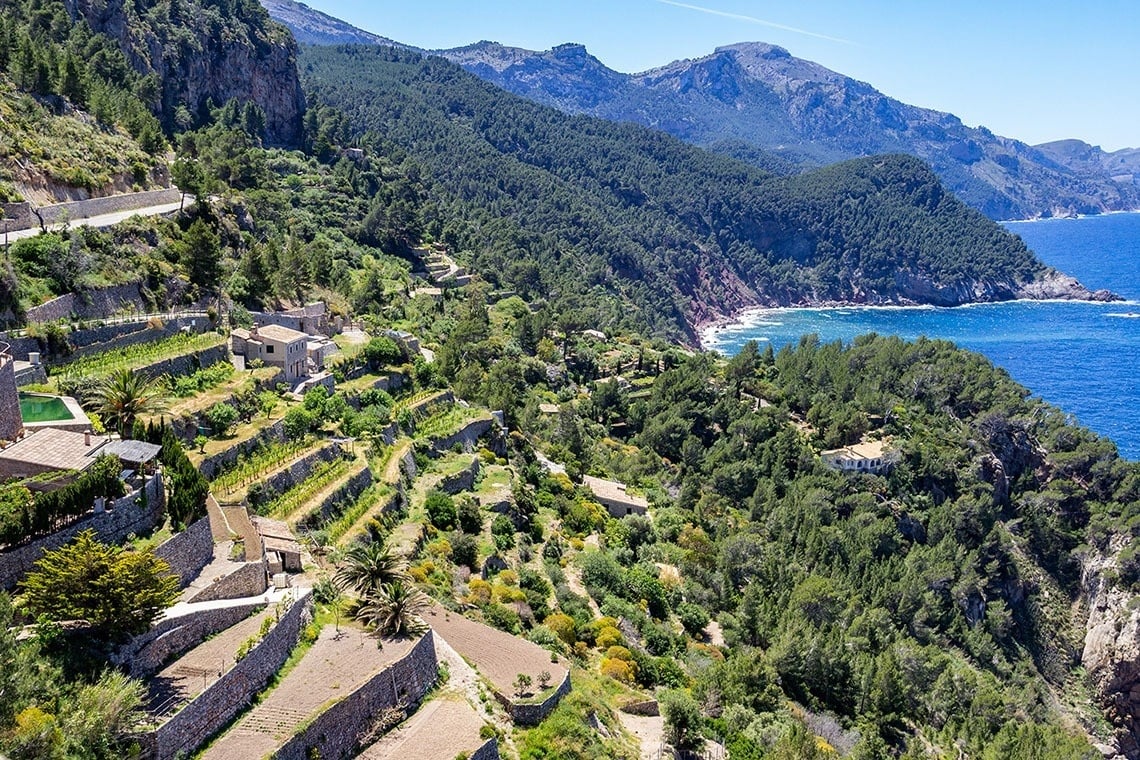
[
  {"x": 1111, "y": 653},
  {"x": 197, "y": 56}
]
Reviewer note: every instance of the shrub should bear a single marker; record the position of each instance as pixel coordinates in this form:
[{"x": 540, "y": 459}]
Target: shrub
[
  {"x": 465, "y": 551},
  {"x": 298, "y": 422},
  {"x": 469, "y": 515},
  {"x": 221, "y": 417},
  {"x": 441, "y": 510},
  {"x": 693, "y": 618}
]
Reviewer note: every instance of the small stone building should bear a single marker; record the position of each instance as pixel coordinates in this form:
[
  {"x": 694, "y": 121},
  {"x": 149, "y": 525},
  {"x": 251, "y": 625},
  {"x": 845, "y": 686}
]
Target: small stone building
[
  {"x": 275, "y": 345},
  {"x": 615, "y": 498}
]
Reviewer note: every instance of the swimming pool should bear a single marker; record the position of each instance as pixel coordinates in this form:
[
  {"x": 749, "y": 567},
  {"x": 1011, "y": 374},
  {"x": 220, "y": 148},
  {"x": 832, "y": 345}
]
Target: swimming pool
[{"x": 41, "y": 408}]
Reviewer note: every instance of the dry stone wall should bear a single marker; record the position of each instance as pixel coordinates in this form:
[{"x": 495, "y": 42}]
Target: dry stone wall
[
  {"x": 122, "y": 518},
  {"x": 531, "y": 714},
  {"x": 24, "y": 218},
  {"x": 489, "y": 751},
  {"x": 341, "y": 498},
  {"x": 212, "y": 465},
  {"x": 189, "y": 551},
  {"x": 147, "y": 654},
  {"x": 299, "y": 471},
  {"x": 10, "y": 419},
  {"x": 188, "y": 364},
  {"x": 336, "y": 734},
  {"x": 249, "y": 579},
  {"x": 229, "y": 695},
  {"x": 470, "y": 434},
  {"x": 464, "y": 480}
]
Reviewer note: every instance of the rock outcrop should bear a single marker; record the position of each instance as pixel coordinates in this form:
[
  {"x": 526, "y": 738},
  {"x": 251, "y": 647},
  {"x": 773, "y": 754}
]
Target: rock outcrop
[
  {"x": 200, "y": 56},
  {"x": 1111, "y": 653}
]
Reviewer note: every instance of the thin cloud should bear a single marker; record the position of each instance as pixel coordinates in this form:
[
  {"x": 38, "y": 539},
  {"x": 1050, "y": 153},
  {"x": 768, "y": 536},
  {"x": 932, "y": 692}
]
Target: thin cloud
[{"x": 754, "y": 20}]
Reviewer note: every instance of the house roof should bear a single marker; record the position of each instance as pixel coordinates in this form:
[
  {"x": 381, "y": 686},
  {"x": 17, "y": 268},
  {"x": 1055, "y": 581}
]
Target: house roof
[
  {"x": 861, "y": 450},
  {"x": 136, "y": 452},
  {"x": 240, "y": 332},
  {"x": 55, "y": 449},
  {"x": 280, "y": 334},
  {"x": 613, "y": 491}
]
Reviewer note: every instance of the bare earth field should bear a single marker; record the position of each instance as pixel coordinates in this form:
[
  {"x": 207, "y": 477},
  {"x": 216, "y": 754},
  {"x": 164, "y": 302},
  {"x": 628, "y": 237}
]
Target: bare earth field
[{"x": 499, "y": 656}]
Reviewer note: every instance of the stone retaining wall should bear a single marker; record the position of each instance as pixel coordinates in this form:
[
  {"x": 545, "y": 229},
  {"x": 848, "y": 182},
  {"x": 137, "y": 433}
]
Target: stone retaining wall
[
  {"x": 215, "y": 707},
  {"x": 340, "y": 499},
  {"x": 79, "y": 210},
  {"x": 186, "y": 426},
  {"x": 647, "y": 707},
  {"x": 336, "y": 734},
  {"x": 299, "y": 471},
  {"x": 149, "y": 653},
  {"x": 464, "y": 480},
  {"x": 489, "y": 751},
  {"x": 123, "y": 517},
  {"x": 10, "y": 418},
  {"x": 187, "y": 364},
  {"x": 468, "y": 435},
  {"x": 97, "y": 340},
  {"x": 189, "y": 551},
  {"x": 90, "y": 304},
  {"x": 212, "y": 465},
  {"x": 249, "y": 579},
  {"x": 17, "y": 216},
  {"x": 531, "y": 714}
]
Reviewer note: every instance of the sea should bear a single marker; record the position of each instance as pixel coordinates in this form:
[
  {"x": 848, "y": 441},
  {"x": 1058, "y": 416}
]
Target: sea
[{"x": 1081, "y": 357}]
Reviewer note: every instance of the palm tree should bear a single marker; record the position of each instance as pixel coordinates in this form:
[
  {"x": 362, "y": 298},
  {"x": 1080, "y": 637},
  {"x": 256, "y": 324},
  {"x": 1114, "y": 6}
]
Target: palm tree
[
  {"x": 369, "y": 567},
  {"x": 395, "y": 609},
  {"x": 124, "y": 396}
]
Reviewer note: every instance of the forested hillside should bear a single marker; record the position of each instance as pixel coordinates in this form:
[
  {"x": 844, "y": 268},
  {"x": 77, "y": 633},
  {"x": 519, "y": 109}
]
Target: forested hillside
[{"x": 646, "y": 231}]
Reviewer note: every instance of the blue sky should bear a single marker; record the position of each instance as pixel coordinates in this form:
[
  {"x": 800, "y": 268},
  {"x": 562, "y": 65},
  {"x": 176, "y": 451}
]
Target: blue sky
[{"x": 1035, "y": 71}]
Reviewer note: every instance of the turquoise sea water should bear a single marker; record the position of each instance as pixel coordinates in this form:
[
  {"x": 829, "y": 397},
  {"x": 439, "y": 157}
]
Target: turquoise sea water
[{"x": 1084, "y": 358}]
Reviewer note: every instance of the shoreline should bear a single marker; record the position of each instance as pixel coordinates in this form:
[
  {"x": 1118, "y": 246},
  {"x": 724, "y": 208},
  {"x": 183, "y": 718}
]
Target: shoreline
[
  {"x": 707, "y": 332},
  {"x": 1068, "y": 218}
]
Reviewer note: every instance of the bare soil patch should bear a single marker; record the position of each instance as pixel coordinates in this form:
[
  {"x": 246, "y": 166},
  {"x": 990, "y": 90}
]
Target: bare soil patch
[{"x": 499, "y": 656}]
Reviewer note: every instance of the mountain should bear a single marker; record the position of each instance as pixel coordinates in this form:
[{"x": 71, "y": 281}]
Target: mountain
[
  {"x": 646, "y": 231},
  {"x": 764, "y": 96},
  {"x": 311, "y": 27}
]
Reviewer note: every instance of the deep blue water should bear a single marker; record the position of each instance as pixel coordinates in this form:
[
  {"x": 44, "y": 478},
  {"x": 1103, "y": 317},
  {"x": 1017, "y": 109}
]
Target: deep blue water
[{"x": 1082, "y": 357}]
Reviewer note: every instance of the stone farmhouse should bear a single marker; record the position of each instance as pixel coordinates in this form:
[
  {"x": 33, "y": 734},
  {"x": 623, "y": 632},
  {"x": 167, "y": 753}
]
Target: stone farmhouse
[
  {"x": 615, "y": 498},
  {"x": 275, "y": 345}
]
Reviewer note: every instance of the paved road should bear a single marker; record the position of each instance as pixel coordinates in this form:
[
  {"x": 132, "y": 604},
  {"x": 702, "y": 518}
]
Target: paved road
[{"x": 104, "y": 220}]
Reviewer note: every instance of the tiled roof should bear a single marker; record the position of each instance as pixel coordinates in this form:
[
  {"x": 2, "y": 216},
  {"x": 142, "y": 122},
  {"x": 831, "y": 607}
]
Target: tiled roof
[{"x": 58, "y": 449}]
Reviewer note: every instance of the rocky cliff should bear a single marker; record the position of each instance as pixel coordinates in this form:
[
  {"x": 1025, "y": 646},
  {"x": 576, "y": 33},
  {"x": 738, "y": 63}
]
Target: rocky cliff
[
  {"x": 1111, "y": 653},
  {"x": 198, "y": 55}
]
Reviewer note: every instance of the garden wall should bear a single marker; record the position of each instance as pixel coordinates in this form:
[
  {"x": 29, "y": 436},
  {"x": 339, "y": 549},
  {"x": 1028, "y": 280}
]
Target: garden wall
[
  {"x": 215, "y": 707},
  {"x": 336, "y": 733},
  {"x": 489, "y": 751},
  {"x": 340, "y": 499},
  {"x": 249, "y": 579},
  {"x": 168, "y": 638},
  {"x": 122, "y": 518},
  {"x": 189, "y": 551},
  {"x": 531, "y": 714},
  {"x": 211, "y": 465}
]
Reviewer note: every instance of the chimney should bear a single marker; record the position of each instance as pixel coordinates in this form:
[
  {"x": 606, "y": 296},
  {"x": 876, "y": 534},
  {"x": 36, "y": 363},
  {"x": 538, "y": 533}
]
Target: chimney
[{"x": 87, "y": 438}]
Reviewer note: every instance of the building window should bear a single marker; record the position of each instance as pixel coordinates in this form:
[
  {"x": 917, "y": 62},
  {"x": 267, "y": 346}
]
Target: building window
[{"x": 269, "y": 349}]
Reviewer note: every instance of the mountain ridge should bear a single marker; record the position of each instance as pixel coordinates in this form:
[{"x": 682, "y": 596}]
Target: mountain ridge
[{"x": 754, "y": 95}]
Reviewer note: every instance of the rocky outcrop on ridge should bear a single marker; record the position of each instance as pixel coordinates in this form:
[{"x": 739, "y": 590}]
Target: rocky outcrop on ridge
[{"x": 200, "y": 57}]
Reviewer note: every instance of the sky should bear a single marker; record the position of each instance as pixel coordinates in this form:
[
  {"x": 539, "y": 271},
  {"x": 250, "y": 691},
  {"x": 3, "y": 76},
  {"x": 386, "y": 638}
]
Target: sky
[{"x": 1034, "y": 71}]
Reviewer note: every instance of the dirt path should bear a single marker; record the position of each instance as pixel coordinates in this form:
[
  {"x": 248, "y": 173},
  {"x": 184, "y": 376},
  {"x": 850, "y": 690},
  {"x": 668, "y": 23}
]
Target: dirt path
[{"x": 649, "y": 730}]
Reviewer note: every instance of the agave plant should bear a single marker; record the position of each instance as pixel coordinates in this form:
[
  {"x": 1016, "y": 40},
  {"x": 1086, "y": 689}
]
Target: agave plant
[
  {"x": 395, "y": 609},
  {"x": 368, "y": 568}
]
